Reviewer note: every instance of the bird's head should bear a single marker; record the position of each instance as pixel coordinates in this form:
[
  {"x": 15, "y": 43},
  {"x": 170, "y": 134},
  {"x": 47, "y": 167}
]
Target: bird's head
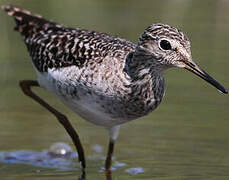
[{"x": 165, "y": 46}]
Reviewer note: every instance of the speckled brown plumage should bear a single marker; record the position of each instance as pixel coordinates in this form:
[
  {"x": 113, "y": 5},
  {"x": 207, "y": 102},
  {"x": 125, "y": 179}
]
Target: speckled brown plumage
[
  {"x": 105, "y": 79},
  {"x": 53, "y": 45}
]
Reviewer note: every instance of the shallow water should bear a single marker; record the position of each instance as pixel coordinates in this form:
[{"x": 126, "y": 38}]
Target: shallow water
[{"x": 185, "y": 138}]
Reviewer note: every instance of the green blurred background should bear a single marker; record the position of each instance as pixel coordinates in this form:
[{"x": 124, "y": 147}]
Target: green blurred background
[{"x": 187, "y": 137}]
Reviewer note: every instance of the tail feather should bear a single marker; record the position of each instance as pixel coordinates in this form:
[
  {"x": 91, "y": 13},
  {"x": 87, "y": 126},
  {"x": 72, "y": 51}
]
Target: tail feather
[
  {"x": 26, "y": 22},
  {"x": 18, "y": 13}
]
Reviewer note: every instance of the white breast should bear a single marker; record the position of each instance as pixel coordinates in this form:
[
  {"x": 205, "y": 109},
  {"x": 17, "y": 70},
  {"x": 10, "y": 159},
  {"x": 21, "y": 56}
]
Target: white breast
[{"x": 84, "y": 104}]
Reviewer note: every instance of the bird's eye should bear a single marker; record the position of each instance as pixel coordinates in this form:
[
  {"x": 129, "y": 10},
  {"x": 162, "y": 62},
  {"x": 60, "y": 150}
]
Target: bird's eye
[{"x": 165, "y": 44}]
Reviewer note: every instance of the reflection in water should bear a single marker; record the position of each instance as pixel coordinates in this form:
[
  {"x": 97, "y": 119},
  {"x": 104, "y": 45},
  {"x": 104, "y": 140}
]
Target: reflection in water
[
  {"x": 61, "y": 156},
  {"x": 134, "y": 171}
]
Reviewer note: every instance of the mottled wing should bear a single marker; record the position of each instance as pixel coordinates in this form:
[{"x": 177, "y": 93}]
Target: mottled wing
[{"x": 53, "y": 45}]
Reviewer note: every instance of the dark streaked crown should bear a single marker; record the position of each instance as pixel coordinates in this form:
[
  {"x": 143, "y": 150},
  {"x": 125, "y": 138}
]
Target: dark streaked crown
[
  {"x": 157, "y": 31},
  {"x": 175, "y": 43}
]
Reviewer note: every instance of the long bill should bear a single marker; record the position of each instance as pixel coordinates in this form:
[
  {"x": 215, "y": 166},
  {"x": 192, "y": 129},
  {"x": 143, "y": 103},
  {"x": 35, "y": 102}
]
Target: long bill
[{"x": 196, "y": 69}]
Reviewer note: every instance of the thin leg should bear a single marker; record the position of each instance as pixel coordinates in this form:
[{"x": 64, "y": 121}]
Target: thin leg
[
  {"x": 108, "y": 161},
  {"x": 113, "y": 134},
  {"x": 26, "y": 88}
]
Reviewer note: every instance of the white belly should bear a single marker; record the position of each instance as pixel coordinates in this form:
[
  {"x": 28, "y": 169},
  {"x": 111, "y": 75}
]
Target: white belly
[
  {"x": 90, "y": 111},
  {"x": 87, "y": 105}
]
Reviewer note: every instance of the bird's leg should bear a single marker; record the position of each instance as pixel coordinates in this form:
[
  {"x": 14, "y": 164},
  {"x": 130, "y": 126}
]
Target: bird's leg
[
  {"x": 26, "y": 88},
  {"x": 108, "y": 161},
  {"x": 113, "y": 133}
]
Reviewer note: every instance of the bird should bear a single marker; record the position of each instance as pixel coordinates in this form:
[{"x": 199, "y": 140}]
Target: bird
[{"x": 105, "y": 79}]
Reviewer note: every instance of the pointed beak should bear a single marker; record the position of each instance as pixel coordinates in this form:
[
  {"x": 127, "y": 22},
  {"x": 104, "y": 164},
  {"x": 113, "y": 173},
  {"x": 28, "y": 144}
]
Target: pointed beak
[{"x": 196, "y": 69}]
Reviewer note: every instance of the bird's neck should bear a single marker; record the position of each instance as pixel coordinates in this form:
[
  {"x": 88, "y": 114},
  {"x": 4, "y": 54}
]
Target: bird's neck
[
  {"x": 147, "y": 81},
  {"x": 142, "y": 68}
]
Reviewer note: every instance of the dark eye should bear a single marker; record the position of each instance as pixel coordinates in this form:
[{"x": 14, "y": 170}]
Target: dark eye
[{"x": 165, "y": 44}]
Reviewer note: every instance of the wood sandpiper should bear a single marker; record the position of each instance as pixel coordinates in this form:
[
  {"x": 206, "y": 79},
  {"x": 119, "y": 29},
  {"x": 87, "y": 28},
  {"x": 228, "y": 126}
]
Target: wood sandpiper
[{"x": 105, "y": 79}]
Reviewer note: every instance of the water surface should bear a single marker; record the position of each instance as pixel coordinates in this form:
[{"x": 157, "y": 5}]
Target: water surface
[{"x": 186, "y": 138}]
